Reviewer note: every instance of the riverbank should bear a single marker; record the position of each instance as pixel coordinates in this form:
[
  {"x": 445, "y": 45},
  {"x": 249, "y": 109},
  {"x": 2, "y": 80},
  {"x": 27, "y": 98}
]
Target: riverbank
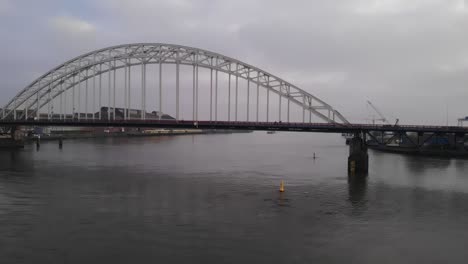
[{"x": 142, "y": 133}]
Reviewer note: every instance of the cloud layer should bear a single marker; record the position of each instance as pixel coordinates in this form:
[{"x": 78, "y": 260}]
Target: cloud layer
[{"x": 409, "y": 57}]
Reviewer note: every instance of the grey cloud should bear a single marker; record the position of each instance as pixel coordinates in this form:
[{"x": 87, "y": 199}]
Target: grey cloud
[{"x": 410, "y": 57}]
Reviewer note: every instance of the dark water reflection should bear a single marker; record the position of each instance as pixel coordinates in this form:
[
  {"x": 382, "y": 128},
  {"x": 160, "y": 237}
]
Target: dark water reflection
[
  {"x": 214, "y": 198},
  {"x": 357, "y": 187}
]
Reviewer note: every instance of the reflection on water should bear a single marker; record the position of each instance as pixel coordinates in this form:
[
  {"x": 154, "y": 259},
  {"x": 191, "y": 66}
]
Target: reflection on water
[
  {"x": 357, "y": 187},
  {"x": 419, "y": 165},
  {"x": 461, "y": 164},
  {"x": 215, "y": 198}
]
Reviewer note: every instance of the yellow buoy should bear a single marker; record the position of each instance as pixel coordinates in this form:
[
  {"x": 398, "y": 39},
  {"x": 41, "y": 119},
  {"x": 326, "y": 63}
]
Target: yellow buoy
[{"x": 281, "y": 186}]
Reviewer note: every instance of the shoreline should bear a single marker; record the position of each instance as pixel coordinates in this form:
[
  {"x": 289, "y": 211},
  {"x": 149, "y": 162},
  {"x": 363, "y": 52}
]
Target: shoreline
[
  {"x": 8, "y": 143},
  {"x": 132, "y": 134}
]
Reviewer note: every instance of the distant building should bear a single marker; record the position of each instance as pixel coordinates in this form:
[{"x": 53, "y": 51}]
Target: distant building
[
  {"x": 104, "y": 113},
  {"x": 119, "y": 114},
  {"x": 134, "y": 114}
]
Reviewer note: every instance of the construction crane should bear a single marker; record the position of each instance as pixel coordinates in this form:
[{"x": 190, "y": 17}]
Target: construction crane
[{"x": 382, "y": 117}]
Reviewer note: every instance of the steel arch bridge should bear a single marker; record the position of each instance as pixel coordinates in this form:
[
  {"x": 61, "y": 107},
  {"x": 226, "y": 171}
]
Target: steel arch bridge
[{"x": 87, "y": 83}]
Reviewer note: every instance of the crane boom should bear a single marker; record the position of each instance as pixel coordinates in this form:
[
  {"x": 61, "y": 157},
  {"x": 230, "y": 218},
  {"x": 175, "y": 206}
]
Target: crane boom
[{"x": 382, "y": 117}]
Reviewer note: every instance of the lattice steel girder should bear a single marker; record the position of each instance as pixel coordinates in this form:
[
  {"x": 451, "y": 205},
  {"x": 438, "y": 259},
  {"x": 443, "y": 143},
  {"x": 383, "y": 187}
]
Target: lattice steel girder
[{"x": 135, "y": 54}]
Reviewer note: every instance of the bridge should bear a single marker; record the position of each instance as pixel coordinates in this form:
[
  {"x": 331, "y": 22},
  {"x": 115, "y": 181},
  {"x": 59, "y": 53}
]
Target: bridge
[{"x": 199, "y": 88}]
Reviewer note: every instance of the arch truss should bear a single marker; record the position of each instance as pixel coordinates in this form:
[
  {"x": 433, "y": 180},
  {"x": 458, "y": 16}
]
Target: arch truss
[{"x": 63, "y": 87}]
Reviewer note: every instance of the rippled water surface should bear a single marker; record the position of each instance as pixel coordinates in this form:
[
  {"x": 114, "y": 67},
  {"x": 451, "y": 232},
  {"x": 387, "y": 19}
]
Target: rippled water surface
[{"x": 214, "y": 199}]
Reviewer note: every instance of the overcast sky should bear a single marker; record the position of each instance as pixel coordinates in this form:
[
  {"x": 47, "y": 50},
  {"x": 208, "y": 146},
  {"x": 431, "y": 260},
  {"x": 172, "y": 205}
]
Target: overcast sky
[{"x": 409, "y": 57}]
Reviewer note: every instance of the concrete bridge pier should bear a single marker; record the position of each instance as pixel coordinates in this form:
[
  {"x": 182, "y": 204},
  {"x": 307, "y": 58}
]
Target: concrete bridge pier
[
  {"x": 358, "y": 160},
  {"x": 459, "y": 141}
]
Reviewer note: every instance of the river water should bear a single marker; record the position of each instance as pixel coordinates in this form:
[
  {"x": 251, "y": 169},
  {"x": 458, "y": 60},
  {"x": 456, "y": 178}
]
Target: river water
[{"x": 215, "y": 199}]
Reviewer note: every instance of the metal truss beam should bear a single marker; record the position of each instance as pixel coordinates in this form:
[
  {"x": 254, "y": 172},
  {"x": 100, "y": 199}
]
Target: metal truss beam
[{"x": 61, "y": 78}]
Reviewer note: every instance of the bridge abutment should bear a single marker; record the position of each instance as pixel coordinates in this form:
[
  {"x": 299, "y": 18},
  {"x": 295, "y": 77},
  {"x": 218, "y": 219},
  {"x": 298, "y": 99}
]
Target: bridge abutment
[{"x": 358, "y": 160}]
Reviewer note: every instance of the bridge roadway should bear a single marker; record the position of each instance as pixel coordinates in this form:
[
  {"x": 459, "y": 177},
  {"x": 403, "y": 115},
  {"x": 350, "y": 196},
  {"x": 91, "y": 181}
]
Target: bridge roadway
[{"x": 262, "y": 126}]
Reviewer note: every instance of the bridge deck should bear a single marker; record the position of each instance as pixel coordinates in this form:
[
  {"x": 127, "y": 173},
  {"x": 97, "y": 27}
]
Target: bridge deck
[{"x": 265, "y": 126}]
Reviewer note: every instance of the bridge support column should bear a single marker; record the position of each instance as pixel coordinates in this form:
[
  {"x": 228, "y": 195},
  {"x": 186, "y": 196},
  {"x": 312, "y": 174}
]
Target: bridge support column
[
  {"x": 358, "y": 160},
  {"x": 38, "y": 143},
  {"x": 459, "y": 141}
]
